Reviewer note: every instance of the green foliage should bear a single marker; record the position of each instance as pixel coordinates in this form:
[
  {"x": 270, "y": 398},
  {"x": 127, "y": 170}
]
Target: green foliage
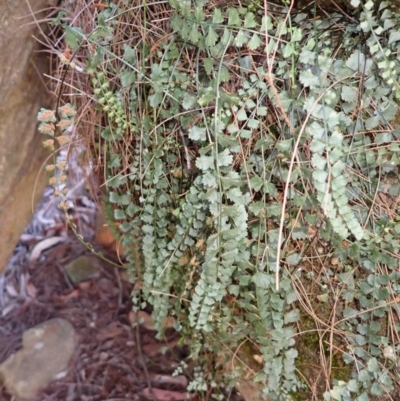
[{"x": 244, "y": 152}]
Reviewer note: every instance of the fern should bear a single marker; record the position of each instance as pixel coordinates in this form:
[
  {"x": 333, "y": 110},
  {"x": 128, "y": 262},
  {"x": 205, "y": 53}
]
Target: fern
[
  {"x": 330, "y": 181},
  {"x": 233, "y": 159}
]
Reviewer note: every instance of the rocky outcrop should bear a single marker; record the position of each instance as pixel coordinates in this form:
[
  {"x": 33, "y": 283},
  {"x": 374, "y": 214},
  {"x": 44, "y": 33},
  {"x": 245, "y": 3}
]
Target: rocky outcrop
[{"x": 23, "y": 92}]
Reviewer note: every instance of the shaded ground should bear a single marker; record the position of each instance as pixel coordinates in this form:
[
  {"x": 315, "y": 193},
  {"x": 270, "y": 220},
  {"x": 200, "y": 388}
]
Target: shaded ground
[
  {"x": 110, "y": 362},
  {"x": 113, "y": 360}
]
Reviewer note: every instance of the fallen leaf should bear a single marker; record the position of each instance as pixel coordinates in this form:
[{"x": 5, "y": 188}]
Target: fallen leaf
[
  {"x": 143, "y": 318},
  {"x": 259, "y": 359},
  {"x": 118, "y": 248},
  {"x": 103, "y": 235},
  {"x": 42, "y": 246},
  {"x": 165, "y": 395},
  {"x": 147, "y": 321},
  {"x": 85, "y": 285},
  {"x": 28, "y": 239},
  {"x": 31, "y": 290},
  {"x": 11, "y": 291},
  {"x": 23, "y": 280},
  {"x": 160, "y": 380},
  {"x": 66, "y": 297},
  {"x": 124, "y": 276},
  {"x": 113, "y": 330},
  {"x": 8, "y": 309},
  {"x": 153, "y": 349},
  {"x": 138, "y": 285}
]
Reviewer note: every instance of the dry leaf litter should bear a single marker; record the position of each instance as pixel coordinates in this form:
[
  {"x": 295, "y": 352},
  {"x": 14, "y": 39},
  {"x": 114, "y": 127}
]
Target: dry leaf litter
[{"x": 53, "y": 277}]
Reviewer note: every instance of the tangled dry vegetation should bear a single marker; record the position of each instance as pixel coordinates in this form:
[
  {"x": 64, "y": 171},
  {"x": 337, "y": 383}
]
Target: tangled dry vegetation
[{"x": 249, "y": 158}]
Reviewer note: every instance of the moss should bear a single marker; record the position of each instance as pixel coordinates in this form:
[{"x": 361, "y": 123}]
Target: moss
[
  {"x": 340, "y": 371},
  {"x": 246, "y": 354},
  {"x": 309, "y": 363}
]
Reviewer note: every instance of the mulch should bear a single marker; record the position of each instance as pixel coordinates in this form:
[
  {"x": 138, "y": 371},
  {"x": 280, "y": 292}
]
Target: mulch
[{"x": 113, "y": 361}]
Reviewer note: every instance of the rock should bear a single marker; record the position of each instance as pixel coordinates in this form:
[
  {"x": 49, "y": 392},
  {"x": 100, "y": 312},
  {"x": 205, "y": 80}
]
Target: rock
[
  {"x": 23, "y": 92},
  {"x": 47, "y": 349},
  {"x": 82, "y": 269}
]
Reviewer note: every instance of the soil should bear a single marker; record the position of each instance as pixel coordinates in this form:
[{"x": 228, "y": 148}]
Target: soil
[{"x": 113, "y": 361}]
